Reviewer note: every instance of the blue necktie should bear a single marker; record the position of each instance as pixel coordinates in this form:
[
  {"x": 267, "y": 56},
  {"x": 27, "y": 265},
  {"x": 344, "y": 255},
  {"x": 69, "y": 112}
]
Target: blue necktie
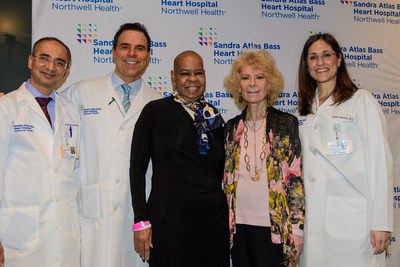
[{"x": 126, "y": 103}]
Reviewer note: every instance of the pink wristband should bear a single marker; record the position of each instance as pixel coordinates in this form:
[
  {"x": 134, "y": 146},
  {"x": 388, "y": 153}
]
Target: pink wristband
[{"x": 141, "y": 226}]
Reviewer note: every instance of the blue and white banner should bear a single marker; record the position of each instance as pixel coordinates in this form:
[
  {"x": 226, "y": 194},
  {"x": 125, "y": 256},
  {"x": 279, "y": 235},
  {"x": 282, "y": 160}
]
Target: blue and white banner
[{"x": 220, "y": 30}]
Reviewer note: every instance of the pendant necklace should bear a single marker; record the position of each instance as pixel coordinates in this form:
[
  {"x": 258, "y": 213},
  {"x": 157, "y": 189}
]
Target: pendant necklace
[{"x": 257, "y": 170}]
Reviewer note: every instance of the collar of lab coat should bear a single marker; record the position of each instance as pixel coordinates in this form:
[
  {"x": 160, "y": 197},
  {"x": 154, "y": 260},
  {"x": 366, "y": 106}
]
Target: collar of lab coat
[
  {"x": 23, "y": 95},
  {"x": 141, "y": 99}
]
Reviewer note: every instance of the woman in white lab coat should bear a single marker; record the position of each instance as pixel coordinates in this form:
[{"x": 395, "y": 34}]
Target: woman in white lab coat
[{"x": 347, "y": 164}]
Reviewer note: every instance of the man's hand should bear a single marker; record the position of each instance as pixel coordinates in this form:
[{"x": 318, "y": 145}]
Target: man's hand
[{"x": 1, "y": 94}]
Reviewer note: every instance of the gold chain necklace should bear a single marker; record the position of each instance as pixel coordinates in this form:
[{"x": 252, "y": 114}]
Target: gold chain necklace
[{"x": 257, "y": 170}]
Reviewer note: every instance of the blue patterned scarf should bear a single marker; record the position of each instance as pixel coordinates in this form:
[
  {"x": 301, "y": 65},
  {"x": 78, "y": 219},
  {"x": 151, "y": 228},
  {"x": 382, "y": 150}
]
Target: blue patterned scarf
[{"x": 206, "y": 119}]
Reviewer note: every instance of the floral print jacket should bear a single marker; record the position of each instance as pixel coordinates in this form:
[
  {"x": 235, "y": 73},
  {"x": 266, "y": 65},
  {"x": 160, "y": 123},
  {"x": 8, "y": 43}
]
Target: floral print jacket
[{"x": 285, "y": 185}]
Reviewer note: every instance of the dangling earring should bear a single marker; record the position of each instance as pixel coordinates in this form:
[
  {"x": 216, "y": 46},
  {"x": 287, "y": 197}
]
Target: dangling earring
[{"x": 240, "y": 97}]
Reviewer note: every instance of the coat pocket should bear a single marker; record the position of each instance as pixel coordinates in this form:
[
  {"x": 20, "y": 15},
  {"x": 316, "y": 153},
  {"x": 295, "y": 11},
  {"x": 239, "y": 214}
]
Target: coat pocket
[
  {"x": 346, "y": 217},
  {"x": 90, "y": 201},
  {"x": 19, "y": 227}
]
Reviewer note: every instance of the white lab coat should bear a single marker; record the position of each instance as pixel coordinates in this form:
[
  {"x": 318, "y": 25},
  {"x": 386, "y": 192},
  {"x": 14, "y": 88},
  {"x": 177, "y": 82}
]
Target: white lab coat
[
  {"x": 107, "y": 215},
  {"x": 347, "y": 194},
  {"x": 39, "y": 216}
]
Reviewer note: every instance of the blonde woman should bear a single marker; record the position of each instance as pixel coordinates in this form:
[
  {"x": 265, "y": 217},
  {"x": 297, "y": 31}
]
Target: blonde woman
[{"x": 262, "y": 178}]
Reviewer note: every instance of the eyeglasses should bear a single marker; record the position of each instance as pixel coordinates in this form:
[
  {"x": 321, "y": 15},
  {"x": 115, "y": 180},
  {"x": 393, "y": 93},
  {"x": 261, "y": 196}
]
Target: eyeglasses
[
  {"x": 45, "y": 59},
  {"x": 325, "y": 55}
]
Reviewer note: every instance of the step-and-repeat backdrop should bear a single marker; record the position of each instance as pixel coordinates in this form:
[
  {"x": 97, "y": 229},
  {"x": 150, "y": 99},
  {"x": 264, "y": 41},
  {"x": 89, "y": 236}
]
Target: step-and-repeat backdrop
[{"x": 219, "y": 30}]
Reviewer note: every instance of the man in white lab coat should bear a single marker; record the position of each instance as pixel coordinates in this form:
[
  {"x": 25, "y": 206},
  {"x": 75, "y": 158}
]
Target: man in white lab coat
[
  {"x": 39, "y": 219},
  {"x": 107, "y": 123}
]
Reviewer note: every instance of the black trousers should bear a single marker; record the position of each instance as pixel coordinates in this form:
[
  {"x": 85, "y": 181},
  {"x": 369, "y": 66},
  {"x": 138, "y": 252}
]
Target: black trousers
[{"x": 252, "y": 247}]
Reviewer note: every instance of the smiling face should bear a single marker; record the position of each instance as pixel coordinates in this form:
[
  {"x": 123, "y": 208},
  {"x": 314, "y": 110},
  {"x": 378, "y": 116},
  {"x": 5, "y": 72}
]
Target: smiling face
[
  {"x": 46, "y": 75},
  {"x": 253, "y": 84},
  {"x": 131, "y": 55},
  {"x": 189, "y": 76},
  {"x": 323, "y": 69}
]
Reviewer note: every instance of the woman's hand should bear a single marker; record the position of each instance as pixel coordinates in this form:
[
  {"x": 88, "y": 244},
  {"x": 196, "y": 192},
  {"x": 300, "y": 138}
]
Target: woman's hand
[
  {"x": 380, "y": 240},
  {"x": 142, "y": 242},
  {"x": 1, "y": 255},
  {"x": 299, "y": 244}
]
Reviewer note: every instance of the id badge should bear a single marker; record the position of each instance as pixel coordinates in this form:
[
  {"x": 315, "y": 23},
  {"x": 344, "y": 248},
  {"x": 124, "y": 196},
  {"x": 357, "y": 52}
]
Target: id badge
[
  {"x": 69, "y": 149},
  {"x": 339, "y": 147},
  {"x": 69, "y": 152}
]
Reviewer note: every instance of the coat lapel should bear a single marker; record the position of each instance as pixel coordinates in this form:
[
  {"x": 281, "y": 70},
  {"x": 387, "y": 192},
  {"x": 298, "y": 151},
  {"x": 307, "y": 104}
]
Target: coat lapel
[
  {"x": 24, "y": 95},
  {"x": 60, "y": 114},
  {"x": 112, "y": 100},
  {"x": 140, "y": 101}
]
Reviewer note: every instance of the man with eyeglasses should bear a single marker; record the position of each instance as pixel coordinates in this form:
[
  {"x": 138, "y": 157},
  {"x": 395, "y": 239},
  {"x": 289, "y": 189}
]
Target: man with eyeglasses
[
  {"x": 109, "y": 107},
  {"x": 39, "y": 218}
]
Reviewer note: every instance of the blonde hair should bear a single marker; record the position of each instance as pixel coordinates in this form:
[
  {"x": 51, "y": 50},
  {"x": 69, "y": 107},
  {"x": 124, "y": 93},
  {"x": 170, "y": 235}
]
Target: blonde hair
[{"x": 262, "y": 60}]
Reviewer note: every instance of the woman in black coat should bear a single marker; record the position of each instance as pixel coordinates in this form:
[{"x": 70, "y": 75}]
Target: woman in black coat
[{"x": 187, "y": 209}]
